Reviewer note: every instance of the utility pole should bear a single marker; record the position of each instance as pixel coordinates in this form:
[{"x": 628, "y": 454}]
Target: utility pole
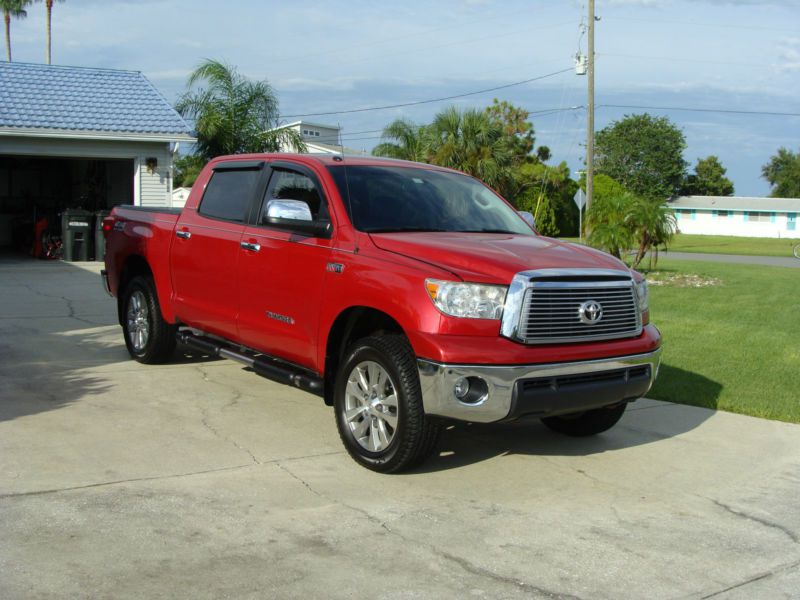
[{"x": 590, "y": 114}]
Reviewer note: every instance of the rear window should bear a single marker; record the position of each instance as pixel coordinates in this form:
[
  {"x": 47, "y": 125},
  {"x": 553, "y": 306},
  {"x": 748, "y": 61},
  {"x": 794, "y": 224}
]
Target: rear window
[{"x": 228, "y": 194}]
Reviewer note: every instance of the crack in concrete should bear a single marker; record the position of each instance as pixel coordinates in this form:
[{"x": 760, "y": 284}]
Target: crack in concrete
[
  {"x": 754, "y": 578},
  {"x": 70, "y": 305},
  {"x": 119, "y": 481},
  {"x": 465, "y": 564},
  {"x": 788, "y": 532},
  {"x": 160, "y": 477}
]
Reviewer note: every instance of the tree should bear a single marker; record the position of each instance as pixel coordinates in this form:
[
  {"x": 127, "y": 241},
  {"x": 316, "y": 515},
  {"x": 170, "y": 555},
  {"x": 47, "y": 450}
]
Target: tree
[
  {"x": 515, "y": 124},
  {"x": 644, "y": 154},
  {"x": 187, "y": 168},
  {"x": 652, "y": 224},
  {"x": 49, "y": 7},
  {"x": 708, "y": 179},
  {"x": 547, "y": 189},
  {"x": 609, "y": 224},
  {"x": 783, "y": 173},
  {"x": 405, "y": 141},
  {"x": 472, "y": 142},
  {"x": 15, "y": 9},
  {"x": 233, "y": 115}
]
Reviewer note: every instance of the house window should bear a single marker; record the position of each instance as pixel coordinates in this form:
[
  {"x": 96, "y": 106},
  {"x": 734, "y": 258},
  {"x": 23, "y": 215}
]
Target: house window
[
  {"x": 791, "y": 221},
  {"x": 305, "y": 132},
  {"x": 723, "y": 214},
  {"x": 763, "y": 217}
]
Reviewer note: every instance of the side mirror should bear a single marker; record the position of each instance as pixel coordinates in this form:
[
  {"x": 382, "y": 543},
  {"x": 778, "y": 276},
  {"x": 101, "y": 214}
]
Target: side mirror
[
  {"x": 295, "y": 215},
  {"x": 528, "y": 218},
  {"x": 295, "y": 210}
]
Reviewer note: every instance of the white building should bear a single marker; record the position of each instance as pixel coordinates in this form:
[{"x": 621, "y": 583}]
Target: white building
[
  {"x": 319, "y": 138},
  {"x": 74, "y": 137},
  {"x": 737, "y": 216},
  {"x": 179, "y": 196}
]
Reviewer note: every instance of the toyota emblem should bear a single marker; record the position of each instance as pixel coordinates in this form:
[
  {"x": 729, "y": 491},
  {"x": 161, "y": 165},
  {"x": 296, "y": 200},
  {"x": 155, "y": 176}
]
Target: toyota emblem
[{"x": 590, "y": 312}]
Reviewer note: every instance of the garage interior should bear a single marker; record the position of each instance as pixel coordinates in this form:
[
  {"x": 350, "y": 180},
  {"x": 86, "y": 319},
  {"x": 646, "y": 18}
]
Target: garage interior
[{"x": 33, "y": 188}]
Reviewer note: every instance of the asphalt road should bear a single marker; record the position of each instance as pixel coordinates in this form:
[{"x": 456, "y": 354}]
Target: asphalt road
[
  {"x": 770, "y": 261},
  {"x": 199, "y": 479}
]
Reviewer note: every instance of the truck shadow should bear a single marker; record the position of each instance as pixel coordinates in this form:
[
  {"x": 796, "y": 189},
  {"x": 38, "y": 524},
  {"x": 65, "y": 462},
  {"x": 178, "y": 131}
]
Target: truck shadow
[
  {"x": 58, "y": 332},
  {"x": 644, "y": 422}
]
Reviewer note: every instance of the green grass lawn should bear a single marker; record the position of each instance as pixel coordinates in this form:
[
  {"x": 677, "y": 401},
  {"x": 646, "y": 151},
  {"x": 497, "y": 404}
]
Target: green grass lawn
[
  {"x": 723, "y": 244},
  {"x": 731, "y": 337},
  {"x": 726, "y": 244}
]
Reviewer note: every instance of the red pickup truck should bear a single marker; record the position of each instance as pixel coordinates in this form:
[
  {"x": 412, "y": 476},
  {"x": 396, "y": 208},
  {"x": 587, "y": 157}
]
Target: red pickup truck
[{"x": 403, "y": 294}]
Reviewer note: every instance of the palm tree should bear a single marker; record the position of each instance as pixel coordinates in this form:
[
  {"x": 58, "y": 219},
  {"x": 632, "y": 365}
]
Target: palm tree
[
  {"x": 49, "y": 6},
  {"x": 16, "y": 9},
  {"x": 608, "y": 222},
  {"x": 233, "y": 115},
  {"x": 409, "y": 141},
  {"x": 473, "y": 142},
  {"x": 653, "y": 224}
]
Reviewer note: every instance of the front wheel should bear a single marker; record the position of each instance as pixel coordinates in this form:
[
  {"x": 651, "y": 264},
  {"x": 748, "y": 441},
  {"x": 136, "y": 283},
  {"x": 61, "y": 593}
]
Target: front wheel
[
  {"x": 588, "y": 422},
  {"x": 148, "y": 337},
  {"x": 378, "y": 405}
]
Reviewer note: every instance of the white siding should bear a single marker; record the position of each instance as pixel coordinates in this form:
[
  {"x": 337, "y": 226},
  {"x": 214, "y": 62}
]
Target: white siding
[
  {"x": 737, "y": 223},
  {"x": 150, "y": 189}
]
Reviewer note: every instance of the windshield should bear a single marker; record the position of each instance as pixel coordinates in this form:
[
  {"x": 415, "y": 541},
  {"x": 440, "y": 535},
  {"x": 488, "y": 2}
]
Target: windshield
[{"x": 390, "y": 198}]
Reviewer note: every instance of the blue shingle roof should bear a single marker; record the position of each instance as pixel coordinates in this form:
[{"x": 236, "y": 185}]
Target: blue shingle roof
[{"x": 86, "y": 100}]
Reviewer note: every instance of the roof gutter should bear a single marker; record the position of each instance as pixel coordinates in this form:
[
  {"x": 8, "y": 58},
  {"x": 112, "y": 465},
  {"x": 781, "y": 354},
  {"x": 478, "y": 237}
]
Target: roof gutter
[{"x": 95, "y": 135}]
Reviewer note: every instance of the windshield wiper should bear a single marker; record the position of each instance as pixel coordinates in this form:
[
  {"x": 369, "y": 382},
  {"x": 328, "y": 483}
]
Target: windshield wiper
[{"x": 488, "y": 231}]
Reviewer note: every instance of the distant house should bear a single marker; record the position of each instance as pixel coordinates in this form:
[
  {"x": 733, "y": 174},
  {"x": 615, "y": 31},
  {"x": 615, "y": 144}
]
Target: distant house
[
  {"x": 737, "y": 216},
  {"x": 179, "y": 196},
  {"x": 74, "y": 137},
  {"x": 319, "y": 139}
]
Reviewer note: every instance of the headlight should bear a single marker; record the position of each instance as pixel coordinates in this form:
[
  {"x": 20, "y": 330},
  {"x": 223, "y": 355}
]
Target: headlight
[
  {"x": 467, "y": 300},
  {"x": 641, "y": 293}
]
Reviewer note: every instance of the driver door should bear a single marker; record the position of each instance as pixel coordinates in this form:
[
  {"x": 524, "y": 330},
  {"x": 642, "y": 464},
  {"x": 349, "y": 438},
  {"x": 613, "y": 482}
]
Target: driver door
[{"x": 282, "y": 272}]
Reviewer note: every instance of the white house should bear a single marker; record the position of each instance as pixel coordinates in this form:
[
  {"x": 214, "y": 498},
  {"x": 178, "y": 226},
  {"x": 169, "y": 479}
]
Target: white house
[
  {"x": 87, "y": 138},
  {"x": 737, "y": 216},
  {"x": 319, "y": 138},
  {"x": 179, "y": 196}
]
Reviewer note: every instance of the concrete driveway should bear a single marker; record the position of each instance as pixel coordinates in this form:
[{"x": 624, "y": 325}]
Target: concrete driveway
[{"x": 199, "y": 479}]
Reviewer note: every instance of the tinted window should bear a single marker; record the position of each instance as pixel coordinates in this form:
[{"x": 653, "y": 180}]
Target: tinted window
[
  {"x": 389, "y": 198},
  {"x": 228, "y": 194},
  {"x": 291, "y": 185}
]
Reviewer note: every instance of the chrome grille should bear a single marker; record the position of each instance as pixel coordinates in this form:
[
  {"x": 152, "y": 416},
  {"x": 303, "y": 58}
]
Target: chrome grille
[{"x": 551, "y": 310}]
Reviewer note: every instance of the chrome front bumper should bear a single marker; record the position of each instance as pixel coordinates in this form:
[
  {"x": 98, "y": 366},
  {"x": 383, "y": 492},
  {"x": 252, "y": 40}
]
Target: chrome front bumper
[{"x": 576, "y": 389}]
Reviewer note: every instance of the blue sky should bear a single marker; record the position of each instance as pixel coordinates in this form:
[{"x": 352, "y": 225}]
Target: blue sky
[{"x": 341, "y": 55}]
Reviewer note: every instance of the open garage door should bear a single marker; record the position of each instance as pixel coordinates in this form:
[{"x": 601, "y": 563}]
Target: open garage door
[{"x": 32, "y": 188}]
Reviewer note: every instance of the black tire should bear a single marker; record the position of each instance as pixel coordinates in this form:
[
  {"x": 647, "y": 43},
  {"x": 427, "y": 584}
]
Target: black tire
[
  {"x": 414, "y": 436},
  {"x": 586, "y": 423},
  {"x": 140, "y": 310}
]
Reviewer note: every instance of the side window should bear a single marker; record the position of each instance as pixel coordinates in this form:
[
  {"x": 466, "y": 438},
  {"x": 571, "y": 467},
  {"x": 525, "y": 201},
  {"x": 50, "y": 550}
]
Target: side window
[
  {"x": 228, "y": 194},
  {"x": 291, "y": 185}
]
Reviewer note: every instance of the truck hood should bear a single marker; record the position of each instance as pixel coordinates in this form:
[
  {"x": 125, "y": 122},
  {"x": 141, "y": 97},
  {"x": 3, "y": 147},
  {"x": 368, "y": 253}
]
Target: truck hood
[{"x": 491, "y": 257}]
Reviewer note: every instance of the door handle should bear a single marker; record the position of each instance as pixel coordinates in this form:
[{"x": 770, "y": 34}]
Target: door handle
[
  {"x": 250, "y": 246},
  {"x": 184, "y": 234}
]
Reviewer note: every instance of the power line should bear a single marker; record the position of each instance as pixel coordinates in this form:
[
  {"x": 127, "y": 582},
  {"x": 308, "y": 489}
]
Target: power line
[
  {"x": 418, "y": 102},
  {"x": 704, "y": 110},
  {"x": 697, "y": 24}
]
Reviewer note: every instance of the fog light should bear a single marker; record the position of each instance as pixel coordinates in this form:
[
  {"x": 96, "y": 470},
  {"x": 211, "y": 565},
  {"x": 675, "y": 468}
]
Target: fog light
[{"x": 461, "y": 388}]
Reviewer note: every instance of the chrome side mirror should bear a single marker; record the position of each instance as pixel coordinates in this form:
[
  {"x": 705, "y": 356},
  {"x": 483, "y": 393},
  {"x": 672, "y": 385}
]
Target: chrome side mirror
[
  {"x": 528, "y": 218},
  {"x": 296, "y": 210}
]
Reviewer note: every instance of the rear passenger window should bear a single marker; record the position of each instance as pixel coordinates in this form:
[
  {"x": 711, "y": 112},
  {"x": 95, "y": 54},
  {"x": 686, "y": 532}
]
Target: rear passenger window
[{"x": 228, "y": 194}]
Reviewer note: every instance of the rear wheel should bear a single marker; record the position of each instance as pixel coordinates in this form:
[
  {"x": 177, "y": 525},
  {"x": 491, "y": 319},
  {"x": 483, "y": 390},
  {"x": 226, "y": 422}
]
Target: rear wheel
[
  {"x": 378, "y": 406},
  {"x": 588, "y": 422},
  {"x": 148, "y": 337}
]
